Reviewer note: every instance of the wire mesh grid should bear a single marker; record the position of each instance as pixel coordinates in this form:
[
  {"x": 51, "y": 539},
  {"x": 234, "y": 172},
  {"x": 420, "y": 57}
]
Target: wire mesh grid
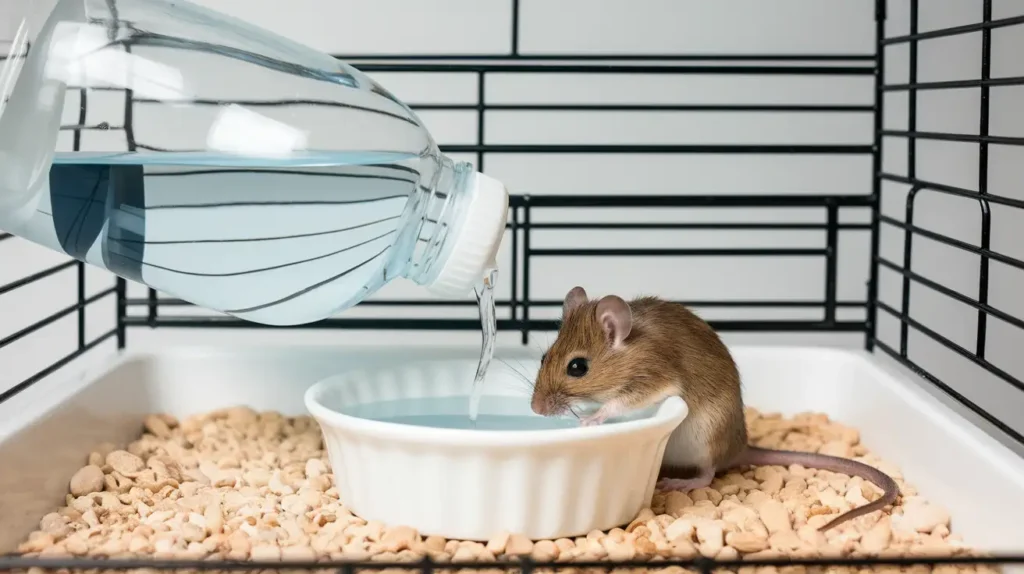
[
  {"x": 899, "y": 217},
  {"x": 523, "y": 223},
  {"x": 527, "y": 212}
]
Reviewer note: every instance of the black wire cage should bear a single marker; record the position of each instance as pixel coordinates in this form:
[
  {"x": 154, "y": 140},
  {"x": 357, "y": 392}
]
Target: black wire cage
[{"x": 888, "y": 200}]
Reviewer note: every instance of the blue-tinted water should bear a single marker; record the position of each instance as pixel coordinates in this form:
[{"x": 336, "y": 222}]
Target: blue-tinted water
[
  {"x": 483, "y": 422},
  {"x": 498, "y": 413},
  {"x": 281, "y": 245}
]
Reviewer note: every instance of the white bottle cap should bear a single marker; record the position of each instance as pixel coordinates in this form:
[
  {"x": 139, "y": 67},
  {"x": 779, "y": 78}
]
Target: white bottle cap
[{"x": 475, "y": 248}]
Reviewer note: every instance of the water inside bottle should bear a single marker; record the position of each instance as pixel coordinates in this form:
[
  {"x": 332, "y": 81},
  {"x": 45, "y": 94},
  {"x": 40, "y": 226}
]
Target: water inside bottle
[
  {"x": 488, "y": 336},
  {"x": 278, "y": 244}
]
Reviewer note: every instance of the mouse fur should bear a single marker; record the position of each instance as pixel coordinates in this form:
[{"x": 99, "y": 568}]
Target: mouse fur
[
  {"x": 630, "y": 355},
  {"x": 638, "y": 354}
]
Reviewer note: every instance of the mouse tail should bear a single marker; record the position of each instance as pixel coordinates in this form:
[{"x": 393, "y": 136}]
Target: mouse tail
[{"x": 755, "y": 456}]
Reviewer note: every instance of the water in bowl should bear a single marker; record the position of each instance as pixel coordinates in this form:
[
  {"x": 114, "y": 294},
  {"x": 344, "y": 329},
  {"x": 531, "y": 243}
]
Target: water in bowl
[
  {"x": 483, "y": 422},
  {"x": 496, "y": 413}
]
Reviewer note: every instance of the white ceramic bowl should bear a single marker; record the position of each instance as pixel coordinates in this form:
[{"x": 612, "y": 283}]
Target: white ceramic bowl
[{"x": 472, "y": 484}]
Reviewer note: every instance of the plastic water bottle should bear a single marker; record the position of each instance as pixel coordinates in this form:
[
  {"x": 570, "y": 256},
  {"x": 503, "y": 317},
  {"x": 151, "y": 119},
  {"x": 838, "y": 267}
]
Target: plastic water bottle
[{"x": 278, "y": 214}]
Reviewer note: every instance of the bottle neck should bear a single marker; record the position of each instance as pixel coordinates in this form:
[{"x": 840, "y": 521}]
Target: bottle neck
[{"x": 434, "y": 213}]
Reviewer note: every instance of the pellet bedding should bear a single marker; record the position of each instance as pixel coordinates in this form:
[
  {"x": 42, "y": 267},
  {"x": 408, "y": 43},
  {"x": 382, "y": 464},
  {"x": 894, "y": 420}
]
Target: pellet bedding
[{"x": 241, "y": 484}]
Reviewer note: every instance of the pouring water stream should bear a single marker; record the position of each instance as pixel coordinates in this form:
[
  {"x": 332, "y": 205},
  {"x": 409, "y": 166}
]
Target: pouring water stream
[{"x": 489, "y": 331}]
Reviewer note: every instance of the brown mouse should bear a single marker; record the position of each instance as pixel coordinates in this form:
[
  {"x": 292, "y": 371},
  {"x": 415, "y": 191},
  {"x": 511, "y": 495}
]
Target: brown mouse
[{"x": 626, "y": 356}]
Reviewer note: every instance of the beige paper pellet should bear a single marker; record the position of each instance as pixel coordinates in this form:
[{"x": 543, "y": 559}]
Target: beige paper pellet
[{"x": 257, "y": 485}]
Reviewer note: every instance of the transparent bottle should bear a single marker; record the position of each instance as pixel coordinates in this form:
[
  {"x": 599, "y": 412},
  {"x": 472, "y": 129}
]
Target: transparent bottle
[{"x": 283, "y": 209}]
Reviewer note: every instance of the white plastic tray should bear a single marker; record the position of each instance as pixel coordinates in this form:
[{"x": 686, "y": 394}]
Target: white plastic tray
[{"x": 47, "y": 431}]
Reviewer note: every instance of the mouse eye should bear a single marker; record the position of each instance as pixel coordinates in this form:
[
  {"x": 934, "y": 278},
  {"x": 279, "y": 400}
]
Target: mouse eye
[{"x": 577, "y": 367}]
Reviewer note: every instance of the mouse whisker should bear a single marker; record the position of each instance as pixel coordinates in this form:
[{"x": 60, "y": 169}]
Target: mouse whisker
[
  {"x": 512, "y": 368},
  {"x": 539, "y": 345},
  {"x": 524, "y": 371},
  {"x": 521, "y": 373},
  {"x": 516, "y": 385},
  {"x": 519, "y": 383},
  {"x": 519, "y": 377}
]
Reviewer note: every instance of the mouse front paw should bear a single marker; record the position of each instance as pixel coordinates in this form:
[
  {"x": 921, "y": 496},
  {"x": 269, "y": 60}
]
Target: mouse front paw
[{"x": 607, "y": 411}]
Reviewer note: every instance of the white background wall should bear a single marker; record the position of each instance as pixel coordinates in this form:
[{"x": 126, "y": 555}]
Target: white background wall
[{"x": 660, "y": 26}]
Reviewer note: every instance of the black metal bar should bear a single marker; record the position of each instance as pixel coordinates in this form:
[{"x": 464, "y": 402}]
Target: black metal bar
[
  {"x": 665, "y": 252},
  {"x": 513, "y": 303},
  {"x": 80, "y": 305},
  {"x": 908, "y": 216},
  {"x": 953, "y": 393},
  {"x": 76, "y": 145},
  {"x": 428, "y": 566},
  {"x": 384, "y": 324},
  {"x": 129, "y": 113},
  {"x": 76, "y": 142},
  {"x": 347, "y": 323},
  {"x": 986, "y": 211},
  {"x": 709, "y": 226},
  {"x": 481, "y": 112},
  {"x": 985, "y": 26},
  {"x": 527, "y": 254},
  {"x": 640, "y": 200},
  {"x": 578, "y": 107},
  {"x": 104, "y": 127},
  {"x": 955, "y": 84},
  {"x": 36, "y": 276},
  {"x": 5, "y": 57},
  {"x": 737, "y": 149},
  {"x": 50, "y": 319},
  {"x": 802, "y": 149},
  {"x": 583, "y": 107},
  {"x": 908, "y": 239},
  {"x": 122, "y": 311},
  {"x": 1006, "y": 259},
  {"x": 831, "y": 261},
  {"x": 871, "y": 318},
  {"x": 152, "y": 298},
  {"x": 53, "y": 368},
  {"x": 952, "y": 294},
  {"x": 953, "y": 190},
  {"x": 597, "y": 58},
  {"x": 515, "y": 29},
  {"x": 766, "y": 303},
  {"x": 97, "y": 88},
  {"x": 542, "y": 68},
  {"x": 966, "y": 138}
]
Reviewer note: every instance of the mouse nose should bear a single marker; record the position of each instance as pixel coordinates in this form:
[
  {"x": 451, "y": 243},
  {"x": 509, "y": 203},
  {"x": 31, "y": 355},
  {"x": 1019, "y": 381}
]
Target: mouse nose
[{"x": 539, "y": 405}]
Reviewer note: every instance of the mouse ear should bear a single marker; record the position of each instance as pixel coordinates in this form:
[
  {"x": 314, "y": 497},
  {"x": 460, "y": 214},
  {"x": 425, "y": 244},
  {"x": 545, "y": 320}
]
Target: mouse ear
[
  {"x": 573, "y": 299},
  {"x": 616, "y": 319}
]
